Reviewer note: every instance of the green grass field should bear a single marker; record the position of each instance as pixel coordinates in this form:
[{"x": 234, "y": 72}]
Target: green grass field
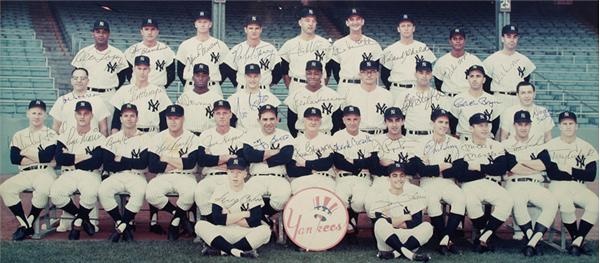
[{"x": 361, "y": 250}]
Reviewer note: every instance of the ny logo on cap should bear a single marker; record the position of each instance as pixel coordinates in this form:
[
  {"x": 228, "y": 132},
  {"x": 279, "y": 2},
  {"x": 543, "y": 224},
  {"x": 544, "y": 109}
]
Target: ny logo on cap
[
  {"x": 456, "y": 30},
  {"x": 149, "y": 21},
  {"x": 523, "y": 115},
  {"x": 142, "y": 58},
  {"x": 235, "y": 161},
  {"x": 253, "y": 18},
  {"x": 313, "y": 111},
  {"x": 512, "y": 28},
  {"x": 350, "y": 108},
  {"x": 423, "y": 64},
  {"x": 405, "y": 16},
  {"x": 38, "y": 102},
  {"x": 310, "y": 11},
  {"x": 251, "y": 67},
  {"x": 368, "y": 63},
  {"x": 566, "y": 114},
  {"x": 353, "y": 10},
  {"x": 481, "y": 116},
  {"x": 393, "y": 111},
  {"x": 220, "y": 103},
  {"x": 314, "y": 64},
  {"x": 82, "y": 104},
  {"x": 173, "y": 109},
  {"x": 442, "y": 111},
  {"x": 202, "y": 13},
  {"x": 101, "y": 23}
]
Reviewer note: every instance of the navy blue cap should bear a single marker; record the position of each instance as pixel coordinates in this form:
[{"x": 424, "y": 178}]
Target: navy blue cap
[
  {"x": 221, "y": 104},
  {"x": 405, "y": 17},
  {"x": 457, "y": 31},
  {"x": 396, "y": 167},
  {"x": 149, "y": 22},
  {"x": 267, "y": 108},
  {"x": 37, "y": 104},
  {"x": 350, "y": 110},
  {"x": 522, "y": 116},
  {"x": 304, "y": 12},
  {"x": 141, "y": 60},
  {"x": 314, "y": 64},
  {"x": 201, "y": 68},
  {"x": 353, "y": 12},
  {"x": 567, "y": 115},
  {"x": 174, "y": 110},
  {"x": 439, "y": 113},
  {"x": 510, "y": 29},
  {"x": 423, "y": 65},
  {"x": 250, "y": 20},
  {"x": 312, "y": 112},
  {"x": 237, "y": 164},
  {"x": 252, "y": 69},
  {"x": 204, "y": 15},
  {"x": 83, "y": 105},
  {"x": 473, "y": 68},
  {"x": 392, "y": 112},
  {"x": 101, "y": 24},
  {"x": 478, "y": 118},
  {"x": 369, "y": 64},
  {"x": 129, "y": 107}
]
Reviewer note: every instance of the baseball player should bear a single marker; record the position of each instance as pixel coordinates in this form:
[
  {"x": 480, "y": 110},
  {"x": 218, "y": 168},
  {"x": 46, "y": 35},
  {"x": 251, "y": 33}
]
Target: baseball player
[
  {"x": 62, "y": 110},
  {"x": 311, "y": 165},
  {"x": 354, "y": 152},
  {"x": 508, "y": 67},
  {"x": 397, "y": 211},
  {"x": 398, "y": 60},
  {"x": 125, "y": 156},
  {"x": 201, "y": 48},
  {"x": 236, "y": 228},
  {"x": 472, "y": 101},
  {"x": 417, "y": 103},
  {"x": 32, "y": 149},
  {"x": 371, "y": 99},
  {"x": 574, "y": 163},
  {"x": 435, "y": 161},
  {"x": 527, "y": 160},
  {"x": 79, "y": 153},
  {"x": 151, "y": 100},
  {"x": 199, "y": 99},
  {"x": 107, "y": 66},
  {"x": 297, "y": 51},
  {"x": 253, "y": 51},
  {"x": 349, "y": 51},
  {"x": 159, "y": 53},
  {"x": 315, "y": 95},
  {"x": 246, "y": 102},
  {"x": 172, "y": 156},
  {"x": 541, "y": 120},
  {"x": 217, "y": 146},
  {"x": 485, "y": 165},
  {"x": 268, "y": 150}
]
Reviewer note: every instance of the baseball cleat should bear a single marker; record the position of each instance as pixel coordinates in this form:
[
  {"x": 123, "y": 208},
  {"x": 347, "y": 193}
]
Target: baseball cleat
[{"x": 20, "y": 234}]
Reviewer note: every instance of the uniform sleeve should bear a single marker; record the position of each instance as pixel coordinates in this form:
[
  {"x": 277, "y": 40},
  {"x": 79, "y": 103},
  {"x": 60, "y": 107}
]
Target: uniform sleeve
[
  {"x": 429, "y": 56},
  {"x": 295, "y": 171},
  {"x": 109, "y": 163},
  {"x": 94, "y": 162},
  {"x": 56, "y": 109},
  {"x": 229, "y": 60},
  {"x": 291, "y": 103},
  {"x": 281, "y": 158},
  {"x": 424, "y": 170},
  {"x": 121, "y": 62},
  {"x": 62, "y": 158},
  {"x": 217, "y": 215},
  {"x": 77, "y": 62},
  {"x": 321, "y": 164},
  {"x": 340, "y": 162},
  {"x": 154, "y": 163},
  {"x": 117, "y": 99},
  {"x": 489, "y": 66},
  {"x": 284, "y": 52},
  {"x": 255, "y": 216},
  {"x": 438, "y": 70},
  {"x": 15, "y": 155},
  {"x": 252, "y": 155},
  {"x": 386, "y": 58},
  {"x": 497, "y": 167},
  {"x": 46, "y": 154},
  {"x": 529, "y": 66},
  {"x": 205, "y": 159},
  {"x": 164, "y": 101}
]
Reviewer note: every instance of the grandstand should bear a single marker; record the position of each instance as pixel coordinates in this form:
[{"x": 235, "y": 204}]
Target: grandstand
[{"x": 564, "y": 48}]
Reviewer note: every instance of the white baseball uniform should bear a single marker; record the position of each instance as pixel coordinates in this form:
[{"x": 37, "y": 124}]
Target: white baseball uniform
[
  {"x": 349, "y": 53},
  {"x": 245, "y": 104},
  {"x": 297, "y": 52},
  {"x": 465, "y": 105},
  {"x": 102, "y": 66},
  {"x": 401, "y": 60},
  {"x": 417, "y": 106},
  {"x": 325, "y": 99},
  {"x": 506, "y": 72},
  {"x": 210, "y": 52},
  {"x": 161, "y": 56},
  {"x": 317, "y": 172},
  {"x": 149, "y": 100},
  {"x": 451, "y": 70},
  {"x": 198, "y": 103},
  {"x": 63, "y": 110},
  {"x": 541, "y": 120},
  {"x": 372, "y": 105},
  {"x": 264, "y": 54}
]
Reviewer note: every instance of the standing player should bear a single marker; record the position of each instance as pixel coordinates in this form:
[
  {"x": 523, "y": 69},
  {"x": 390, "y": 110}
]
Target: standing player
[
  {"x": 354, "y": 152},
  {"x": 508, "y": 67},
  {"x": 418, "y": 103},
  {"x": 79, "y": 153},
  {"x": 302, "y": 48},
  {"x": 125, "y": 156},
  {"x": 199, "y": 99},
  {"x": 268, "y": 150},
  {"x": 574, "y": 163},
  {"x": 526, "y": 161},
  {"x": 163, "y": 72},
  {"x": 437, "y": 156},
  {"x": 399, "y": 59},
  {"x": 204, "y": 49},
  {"x": 311, "y": 165},
  {"x": 349, "y": 51},
  {"x": 253, "y": 51},
  {"x": 172, "y": 156},
  {"x": 151, "y": 100},
  {"x": 371, "y": 99},
  {"x": 541, "y": 122},
  {"x": 217, "y": 146},
  {"x": 484, "y": 168},
  {"x": 236, "y": 228},
  {"x": 32, "y": 149},
  {"x": 397, "y": 210},
  {"x": 62, "y": 110},
  {"x": 472, "y": 101},
  {"x": 246, "y": 102},
  {"x": 314, "y": 94}
]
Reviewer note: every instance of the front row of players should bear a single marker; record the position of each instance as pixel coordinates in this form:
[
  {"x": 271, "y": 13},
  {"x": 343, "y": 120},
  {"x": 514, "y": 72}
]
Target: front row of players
[{"x": 235, "y": 226}]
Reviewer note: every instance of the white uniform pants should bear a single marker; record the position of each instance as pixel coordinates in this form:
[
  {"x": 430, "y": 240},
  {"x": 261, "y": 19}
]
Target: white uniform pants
[
  {"x": 571, "y": 193},
  {"x": 482, "y": 190},
  {"x": 71, "y": 181},
  {"x": 126, "y": 181},
  {"x": 439, "y": 189},
  {"x": 383, "y": 230},
  {"x": 162, "y": 184},
  {"x": 204, "y": 191},
  {"x": 256, "y": 236},
  {"x": 39, "y": 180},
  {"x": 278, "y": 188},
  {"x": 353, "y": 191},
  {"x": 534, "y": 193}
]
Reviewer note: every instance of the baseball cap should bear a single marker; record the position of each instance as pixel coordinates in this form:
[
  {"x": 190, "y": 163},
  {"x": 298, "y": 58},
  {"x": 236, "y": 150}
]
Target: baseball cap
[
  {"x": 312, "y": 111},
  {"x": 252, "y": 69},
  {"x": 522, "y": 116},
  {"x": 392, "y": 112},
  {"x": 204, "y": 15},
  {"x": 129, "y": 107},
  {"x": 201, "y": 68},
  {"x": 174, "y": 110},
  {"x": 304, "y": 12},
  {"x": 253, "y": 20},
  {"x": 396, "y": 167},
  {"x": 478, "y": 118},
  {"x": 350, "y": 110},
  {"x": 405, "y": 17},
  {"x": 37, "y": 103},
  {"x": 142, "y": 60},
  {"x": 423, "y": 65},
  {"x": 237, "y": 164},
  {"x": 353, "y": 12},
  {"x": 267, "y": 108},
  {"x": 567, "y": 115},
  {"x": 510, "y": 29},
  {"x": 473, "y": 68},
  {"x": 369, "y": 64},
  {"x": 457, "y": 31},
  {"x": 83, "y": 105},
  {"x": 314, "y": 64},
  {"x": 149, "y": 22},
  {"x": 221, "y": 104},
  {"x": 435, "y": 114},
  {"x": 101, "y": 24}
]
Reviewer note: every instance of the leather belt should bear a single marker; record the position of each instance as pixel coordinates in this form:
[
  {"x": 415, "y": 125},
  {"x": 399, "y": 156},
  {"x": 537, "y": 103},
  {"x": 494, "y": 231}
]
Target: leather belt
[
  {"x": 210, "y": 83},
  {"x": 525, "y": 179},
  {"x": 353, "y": 81},
  {"x": 418, "y": 132},
  {"x": 260, "y": 87},
  {"x": 178, "y": 172},
  {"x": 498, "y": 181},
  {"x": 100, "y": 90},
  {"x": 324, "y": 132},
  {"x": 35, "y": 167},
  {"x": 351, "y": 174},
  {"x": 408, "y": 86},
  {"x": 324, "y": 174},
  {"x": 451, "y": 94},
  {"x": 147, "y": 129},
  {"x": 197, "y": 133},
  {"x": 506, "y": 93},
  {"x": 379, "y": 131},
  {"x": 216, "y": 173},
  {"x": 271, "y": 174},
  {"x": 299, "y": 80},
  {"x": 73, "y": 169}
]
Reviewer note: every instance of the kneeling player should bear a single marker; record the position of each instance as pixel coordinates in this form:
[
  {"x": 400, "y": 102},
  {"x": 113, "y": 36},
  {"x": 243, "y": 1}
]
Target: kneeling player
[{"x": 236, "y": 229}]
